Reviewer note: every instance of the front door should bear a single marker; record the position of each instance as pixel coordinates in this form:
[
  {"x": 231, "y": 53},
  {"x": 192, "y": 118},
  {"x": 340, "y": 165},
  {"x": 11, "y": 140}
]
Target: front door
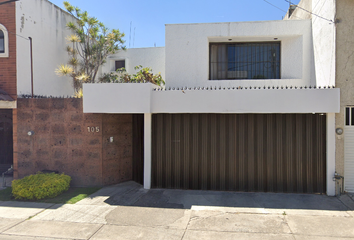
[{"x": 6, "y": 149}]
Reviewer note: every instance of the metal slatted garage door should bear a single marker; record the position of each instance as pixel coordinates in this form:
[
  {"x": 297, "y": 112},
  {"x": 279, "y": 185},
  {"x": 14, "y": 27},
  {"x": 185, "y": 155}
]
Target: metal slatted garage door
[{"x": 240, "y": 152}]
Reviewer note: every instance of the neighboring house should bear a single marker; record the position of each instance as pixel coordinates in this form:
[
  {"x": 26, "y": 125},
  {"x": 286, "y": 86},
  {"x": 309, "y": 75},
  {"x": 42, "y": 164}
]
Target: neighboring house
[
  {"x": 51, "y": 133},
  {"x": 45, "y": 23},
  {"x": 334, "y": 48},
  {"x": 243, "y": 110}
]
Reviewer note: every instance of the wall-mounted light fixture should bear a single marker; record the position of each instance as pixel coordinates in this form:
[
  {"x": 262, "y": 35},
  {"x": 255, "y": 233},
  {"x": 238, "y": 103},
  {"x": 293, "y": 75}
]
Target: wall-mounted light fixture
[
  {"x": 339, "y": 131},
  {"x": 30, "y": 133}
]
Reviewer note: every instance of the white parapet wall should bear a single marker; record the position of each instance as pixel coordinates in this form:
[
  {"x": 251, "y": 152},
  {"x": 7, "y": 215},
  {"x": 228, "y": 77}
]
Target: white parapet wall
[
  {"x": 117, "y": 97},
  {"x": 187, "y": 51},
  {"x": 143, "y": 98}
]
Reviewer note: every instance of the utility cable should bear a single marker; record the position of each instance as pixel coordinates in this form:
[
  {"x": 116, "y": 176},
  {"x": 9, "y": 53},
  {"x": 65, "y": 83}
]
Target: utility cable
[
  {"x": 275, "y": 6},
  {"x": 279, "y": 8},
  {"x": 329, "y": 20}
]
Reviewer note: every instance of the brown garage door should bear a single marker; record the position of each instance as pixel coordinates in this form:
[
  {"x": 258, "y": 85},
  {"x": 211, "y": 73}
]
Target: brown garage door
[{"x": 240, "y": 152}]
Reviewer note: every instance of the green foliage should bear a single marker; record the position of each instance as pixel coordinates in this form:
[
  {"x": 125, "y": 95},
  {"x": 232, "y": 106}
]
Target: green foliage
[
  {"x": 91, "y": 43},
  {"x": 40, "y": 185},
  {"x": 142, "y": 76},
  {"x": 6, "y": 194}
]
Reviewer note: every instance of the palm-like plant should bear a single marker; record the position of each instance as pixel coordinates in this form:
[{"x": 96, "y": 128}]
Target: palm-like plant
[{"x": 91, "y": 43}]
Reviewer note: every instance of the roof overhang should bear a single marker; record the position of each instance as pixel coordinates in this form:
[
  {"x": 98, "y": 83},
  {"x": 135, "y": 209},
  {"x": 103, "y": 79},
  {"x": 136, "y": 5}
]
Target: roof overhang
[{"x": 142, "y": 98}]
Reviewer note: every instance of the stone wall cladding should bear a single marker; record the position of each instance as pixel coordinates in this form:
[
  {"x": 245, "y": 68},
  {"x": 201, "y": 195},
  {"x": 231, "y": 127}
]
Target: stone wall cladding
[
  {"x": 117, "y": 155},
  {"x": 63, "y": 141}
]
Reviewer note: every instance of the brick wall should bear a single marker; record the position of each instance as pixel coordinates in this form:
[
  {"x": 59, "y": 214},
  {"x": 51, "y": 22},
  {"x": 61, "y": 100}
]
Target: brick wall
[
  {"x": 67, "y": 140},
  {"x": 8, "y": 65}
]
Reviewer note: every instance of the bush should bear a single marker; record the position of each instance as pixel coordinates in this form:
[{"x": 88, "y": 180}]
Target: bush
[{"x": 40, "y": 185}]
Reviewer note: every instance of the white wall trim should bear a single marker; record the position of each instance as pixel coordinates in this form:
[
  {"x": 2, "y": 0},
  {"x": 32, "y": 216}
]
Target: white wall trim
[
  {"x": 140, "y": 98},
  {"x": 8, "y": 104},
  {"x": 147, "y": 150},
  {"x": 6, "y": 41},
  {"x": 331, "y": 154}
]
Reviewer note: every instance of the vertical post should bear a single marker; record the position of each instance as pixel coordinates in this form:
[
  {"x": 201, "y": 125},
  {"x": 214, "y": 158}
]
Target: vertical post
[
  {"x": 147, "y": 150},
  {"x": 31, "y": 55},
  {"x": 331, "y": 154}
]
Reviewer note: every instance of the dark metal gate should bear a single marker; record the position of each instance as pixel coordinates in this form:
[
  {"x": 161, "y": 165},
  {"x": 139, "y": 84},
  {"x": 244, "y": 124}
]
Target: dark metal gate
[
  {"x": 138, "y": 148},
  {"x": 240, "y": 152},
  {"x": 6, "y": 143}
]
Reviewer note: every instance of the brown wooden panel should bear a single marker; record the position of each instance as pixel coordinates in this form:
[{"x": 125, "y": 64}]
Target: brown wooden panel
[{"x": 240, "y": 152}]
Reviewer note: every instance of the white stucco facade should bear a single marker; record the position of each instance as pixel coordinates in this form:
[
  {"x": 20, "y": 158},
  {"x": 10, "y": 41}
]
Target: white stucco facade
[
  {"x": 45, "y": 23},
  {"x": 143, "y": 98},
  {"x": 153, "y": 58},
  {"x": 187, "y": 52}
]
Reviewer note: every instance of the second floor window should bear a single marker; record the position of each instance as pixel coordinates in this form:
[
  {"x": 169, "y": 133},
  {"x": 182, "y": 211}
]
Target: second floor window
[
  {"x": 119, "y": 64},
  {"x": 259, "y": 60},
  {"x": 2, "y": 42}
]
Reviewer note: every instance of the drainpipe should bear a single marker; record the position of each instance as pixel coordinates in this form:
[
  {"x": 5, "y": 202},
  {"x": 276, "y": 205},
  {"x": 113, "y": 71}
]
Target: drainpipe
[{"x": 31, "y": 55}]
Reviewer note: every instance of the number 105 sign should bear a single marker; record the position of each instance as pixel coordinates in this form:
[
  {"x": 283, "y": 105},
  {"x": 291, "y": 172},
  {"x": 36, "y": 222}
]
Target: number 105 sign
[{"x": 93, "y": 129}]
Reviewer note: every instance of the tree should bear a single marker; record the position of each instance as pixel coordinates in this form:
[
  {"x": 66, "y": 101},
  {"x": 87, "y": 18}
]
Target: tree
[{"x": 91, "y": 43}]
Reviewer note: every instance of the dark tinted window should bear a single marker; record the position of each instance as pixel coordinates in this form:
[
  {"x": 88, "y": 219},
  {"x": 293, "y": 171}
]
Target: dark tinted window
[
  {"x": 245, "y": 61},
  {"x": 120, "y": 64}
]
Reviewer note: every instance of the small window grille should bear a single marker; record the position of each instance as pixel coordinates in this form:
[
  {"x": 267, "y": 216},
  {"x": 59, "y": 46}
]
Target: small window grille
[
  {"x": 349, "y": 116},
  {"x": 120, "y": 64}
]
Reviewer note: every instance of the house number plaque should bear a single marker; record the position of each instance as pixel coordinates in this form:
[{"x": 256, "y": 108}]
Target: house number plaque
[{"x": 93, "y": 129}]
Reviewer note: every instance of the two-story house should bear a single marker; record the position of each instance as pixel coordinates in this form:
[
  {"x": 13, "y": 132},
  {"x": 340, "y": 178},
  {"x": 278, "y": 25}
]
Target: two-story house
[{"x": 242, "y": 110}]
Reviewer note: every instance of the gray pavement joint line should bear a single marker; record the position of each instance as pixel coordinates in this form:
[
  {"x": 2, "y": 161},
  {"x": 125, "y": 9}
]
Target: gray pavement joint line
[
  {"x": 224, "y": 231},
  {"x": 27, "y": 218},
  {"x": 202, "y": 230},
  {"x": 13, "y": 226},
  {"x": 34, "y": 237},
  {"x": 76, "y": 211},
  {"x": 197, "y": 217},
  {"x": 185, "y": 230},
  {"x": 324, "y": 236},
  {"x": 96, "y": 231},
  {"x": 286, "y": 222},
  {"x": 344, "y": 204},
  {"x": 141, "y": 195},
  {"x": 255, "y": 201},
  {"x": 39, "y": 212}
]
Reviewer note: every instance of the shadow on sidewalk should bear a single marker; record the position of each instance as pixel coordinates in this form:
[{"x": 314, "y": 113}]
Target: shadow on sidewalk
[{"x": 133, "y": 194}]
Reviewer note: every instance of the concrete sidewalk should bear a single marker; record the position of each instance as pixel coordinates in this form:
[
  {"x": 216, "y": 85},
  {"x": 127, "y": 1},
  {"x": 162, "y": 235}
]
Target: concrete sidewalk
[{"x": 127, "y": 211}]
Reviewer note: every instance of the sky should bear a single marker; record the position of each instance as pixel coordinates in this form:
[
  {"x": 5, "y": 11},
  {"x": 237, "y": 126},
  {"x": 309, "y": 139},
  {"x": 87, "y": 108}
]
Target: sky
[{"x": 143, "y": 22}]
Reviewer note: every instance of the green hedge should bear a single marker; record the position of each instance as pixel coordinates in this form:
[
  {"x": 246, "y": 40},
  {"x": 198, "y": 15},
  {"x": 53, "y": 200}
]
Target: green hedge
[{"x": 40, "y": 185}]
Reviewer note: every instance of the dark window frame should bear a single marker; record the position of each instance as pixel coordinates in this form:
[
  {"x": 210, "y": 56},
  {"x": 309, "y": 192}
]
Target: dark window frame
[
  {"x": 2, "y": 37},
  {"x": 119, "y": 61},
  {"x": 278, "y": 63}
]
